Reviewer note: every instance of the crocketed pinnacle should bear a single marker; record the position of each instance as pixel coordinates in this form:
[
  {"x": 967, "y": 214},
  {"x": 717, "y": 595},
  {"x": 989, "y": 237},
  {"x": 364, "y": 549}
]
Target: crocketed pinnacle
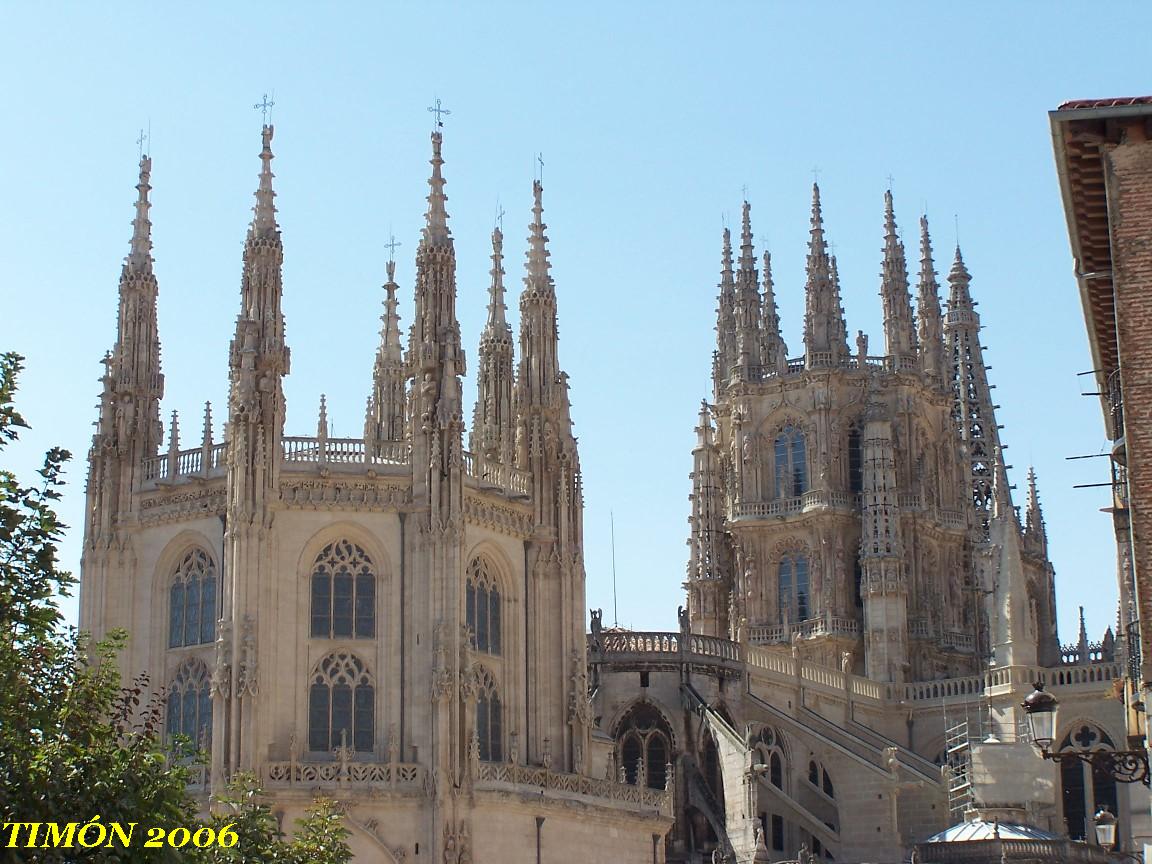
[
  {"x": 140, "y": 252},
  {"x": 264, "y": 213},
  {"x": 775, "y": 352},
  {"x": 825, "y": 334},
  {"x": 497, "y": 322},
  {"x": 436, "y": 220},
  {"x": 899, "y": 330},
  {"x": 539, "y": 277},
  {"x": 960, "y": 296},
  {"x": 747, "y": 309},
  {"x": 390, "y": 333},
  {"x": 1034, "y": 516},
  {"x": 931, "y": 323}
]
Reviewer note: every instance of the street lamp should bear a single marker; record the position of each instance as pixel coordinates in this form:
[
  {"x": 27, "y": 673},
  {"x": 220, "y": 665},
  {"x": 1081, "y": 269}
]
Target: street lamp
[
  {"x": 1106, "y": 834},
  {"x": 1125, "y": 766}
]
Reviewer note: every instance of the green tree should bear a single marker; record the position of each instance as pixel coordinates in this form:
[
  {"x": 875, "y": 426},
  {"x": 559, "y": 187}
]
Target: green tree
[{"x": 75, "y": 742}]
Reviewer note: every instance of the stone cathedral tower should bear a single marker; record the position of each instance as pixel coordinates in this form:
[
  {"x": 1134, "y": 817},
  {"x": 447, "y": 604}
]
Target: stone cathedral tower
[
  {"x": 848, "y": 500},
  {"x": 395, "y": 620}
]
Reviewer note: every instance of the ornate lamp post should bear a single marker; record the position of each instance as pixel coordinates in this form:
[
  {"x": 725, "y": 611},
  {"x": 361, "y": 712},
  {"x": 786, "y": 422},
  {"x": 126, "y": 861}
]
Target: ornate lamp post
[
  {"x": 1125, "y": 766},
  {"x": 1106, "y": 834}
]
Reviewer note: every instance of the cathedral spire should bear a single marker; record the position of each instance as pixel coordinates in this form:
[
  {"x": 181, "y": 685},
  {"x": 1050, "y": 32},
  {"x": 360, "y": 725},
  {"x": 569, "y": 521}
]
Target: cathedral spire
[
  {"x": 384, "y": 420},
  {"x": 436, "y": 219},
  {"x": 973, "y": 408},
  {"x": 539, "y": 267},
  {"x": 140, "y": 252},
  {"x": 264, "y": 213},
  {"x": 726, "y": 354},
  {"x": 928, "y": 305},
  {"x": 825, "y": 334},
  {"x": 747, "y": 303},
  {"x": 708, "y": 590},
  {"x": 1035, "y": 534},
  {"x": 258, "y": 359},
  {"x": 493, "y": 432},
  {"x": 774, "y": 352},
  {"x": 899, "y": 329}
]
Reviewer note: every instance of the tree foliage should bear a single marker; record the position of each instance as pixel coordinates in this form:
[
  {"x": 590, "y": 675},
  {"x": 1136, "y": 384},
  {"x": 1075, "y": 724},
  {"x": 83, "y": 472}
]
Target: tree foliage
[{"x": 75, "y": 741}]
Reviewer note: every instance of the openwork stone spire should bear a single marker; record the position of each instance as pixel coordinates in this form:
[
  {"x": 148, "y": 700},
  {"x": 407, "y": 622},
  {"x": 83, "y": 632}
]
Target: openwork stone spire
[
  {"x": 825, "y": 334},
  {"x": 726, "y": 352},
  {"x": 747, "y": 308},
  {"x": 386, "y": 406},
  {"x": 436, "y": 219},
  {"x": 258, "y": 358},
  {"x": 493, "y": 423},
  {"x": 140, "y": 252},
  {"x": 435, "y": 364},
  {"x": 773, "y": 352},
  {"x": 264, "y": 213},
  {"x": 708, "y": 582},
  {"x": 899, "y": 328},
  {"x": 972, "y": 407},
  {"x": 928, "y": 303}
]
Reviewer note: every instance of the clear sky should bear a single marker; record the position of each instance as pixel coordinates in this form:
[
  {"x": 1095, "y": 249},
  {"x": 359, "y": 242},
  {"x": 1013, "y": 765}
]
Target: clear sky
[{"x": 651, "y": 118}]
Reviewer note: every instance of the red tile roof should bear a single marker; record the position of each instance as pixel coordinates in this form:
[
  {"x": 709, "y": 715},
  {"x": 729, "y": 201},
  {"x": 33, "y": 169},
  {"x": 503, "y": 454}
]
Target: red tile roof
[{"x": 1105, "y": 103}]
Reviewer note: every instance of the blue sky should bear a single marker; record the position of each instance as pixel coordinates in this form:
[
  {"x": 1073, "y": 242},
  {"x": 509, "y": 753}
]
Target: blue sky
[{"x": 651, "y": 118}]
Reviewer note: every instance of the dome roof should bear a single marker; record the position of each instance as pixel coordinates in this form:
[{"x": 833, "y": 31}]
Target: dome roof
[{"x": 978, "y": 829}]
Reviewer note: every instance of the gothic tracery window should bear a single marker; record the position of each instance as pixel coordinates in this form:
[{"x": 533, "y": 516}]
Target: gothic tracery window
[
  {"x": 793, "y": 589},
  {"x": 489, "y": 718},
  {"x": 790, "y": 463},
  {"x": 189, "y": 708},
  {"x": 343, "y": 593},
  {"x": 341, "y": 705},
  {"x": 1084, "y": 789},
  {"x": 483, "y": 607},
  {"x": 192, "y": 601},
  {"x": 644, "y": 746},
  {"x": 855, "y": 460},
  {"x": 769, "y": 752}
]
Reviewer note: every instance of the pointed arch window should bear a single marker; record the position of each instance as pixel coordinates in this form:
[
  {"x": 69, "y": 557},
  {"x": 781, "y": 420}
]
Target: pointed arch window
[
  {"x": 482, "y": 604},
  {"x": 192, "y": 601},
  {"x": 855, "y": 460},
  {"x": 343, "y": 593},
  {"x": 793, "y": 589},
  {"x": 791, "y": 463},
  {"x": 644, "y": 745},
  {"x": 769, "y": 751},
  {"x": 1084, "y": 789},
  {"x": 189, "y": 708},
  {"x": 341, "y": 705},
  {"x": 489, "y": 718}
]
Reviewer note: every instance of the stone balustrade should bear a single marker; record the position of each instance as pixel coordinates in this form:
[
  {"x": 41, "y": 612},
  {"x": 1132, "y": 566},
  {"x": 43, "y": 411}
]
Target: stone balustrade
[
  {"x": 401, "y": 776},
  {"x": 195, "y": 462},
  {"x": 544, "y": 779}
]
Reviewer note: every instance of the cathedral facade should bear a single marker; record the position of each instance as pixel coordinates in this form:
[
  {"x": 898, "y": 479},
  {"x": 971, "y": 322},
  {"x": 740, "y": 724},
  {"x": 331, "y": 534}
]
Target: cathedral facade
[{"x": 398, "y": 620}]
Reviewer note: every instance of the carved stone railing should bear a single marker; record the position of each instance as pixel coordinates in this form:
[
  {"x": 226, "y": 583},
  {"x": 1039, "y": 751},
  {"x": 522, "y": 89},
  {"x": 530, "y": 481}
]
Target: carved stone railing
[
  {"x": 609, "y": 645},
  {"x": 545, "y": 779},
  {"x": 774, "y": 634},
  {"x": 343, "y": 451},
  {"x": 196, "y": 462},
  {"x": 1007, "y": 676},
  {"x": 1092, "y": 652},
  {"x": 402, "y": 776},
  {"x": 512, "y": 480},
  {"x": 959, "y": 640},
  {"x": 814, "y": 499}
]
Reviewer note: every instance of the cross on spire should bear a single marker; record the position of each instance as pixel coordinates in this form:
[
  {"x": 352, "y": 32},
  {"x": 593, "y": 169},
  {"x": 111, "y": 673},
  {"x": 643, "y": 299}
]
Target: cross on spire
[
  {"x": 140, "y": 144},
  {"x": 265, "y": 106},
  {"x": 816, "y": 174},
  {"x": 499, "y": 215},
  {"x": 438, "y": 111},
  {"x": 891, "y": 180},
  {"x": 539, "y": 165},
  {"x": 391, "y": 247},
  {"x": 744, "y": 191}
]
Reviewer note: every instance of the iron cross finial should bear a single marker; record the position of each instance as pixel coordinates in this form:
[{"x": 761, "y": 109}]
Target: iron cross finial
[
  {"x": 891, "y": 180},
  {"x": 438, "y": 111},
  {"x": 391, "y": 247},
  {"x": 499, "y": 216},
  {"x": 265, "y": 106},
  {"x": 816, "y": 174},
  {"x": 538, "y": 168},
  {"x": 140, "y": 144},
  {"x": 744, "y": 191}
]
